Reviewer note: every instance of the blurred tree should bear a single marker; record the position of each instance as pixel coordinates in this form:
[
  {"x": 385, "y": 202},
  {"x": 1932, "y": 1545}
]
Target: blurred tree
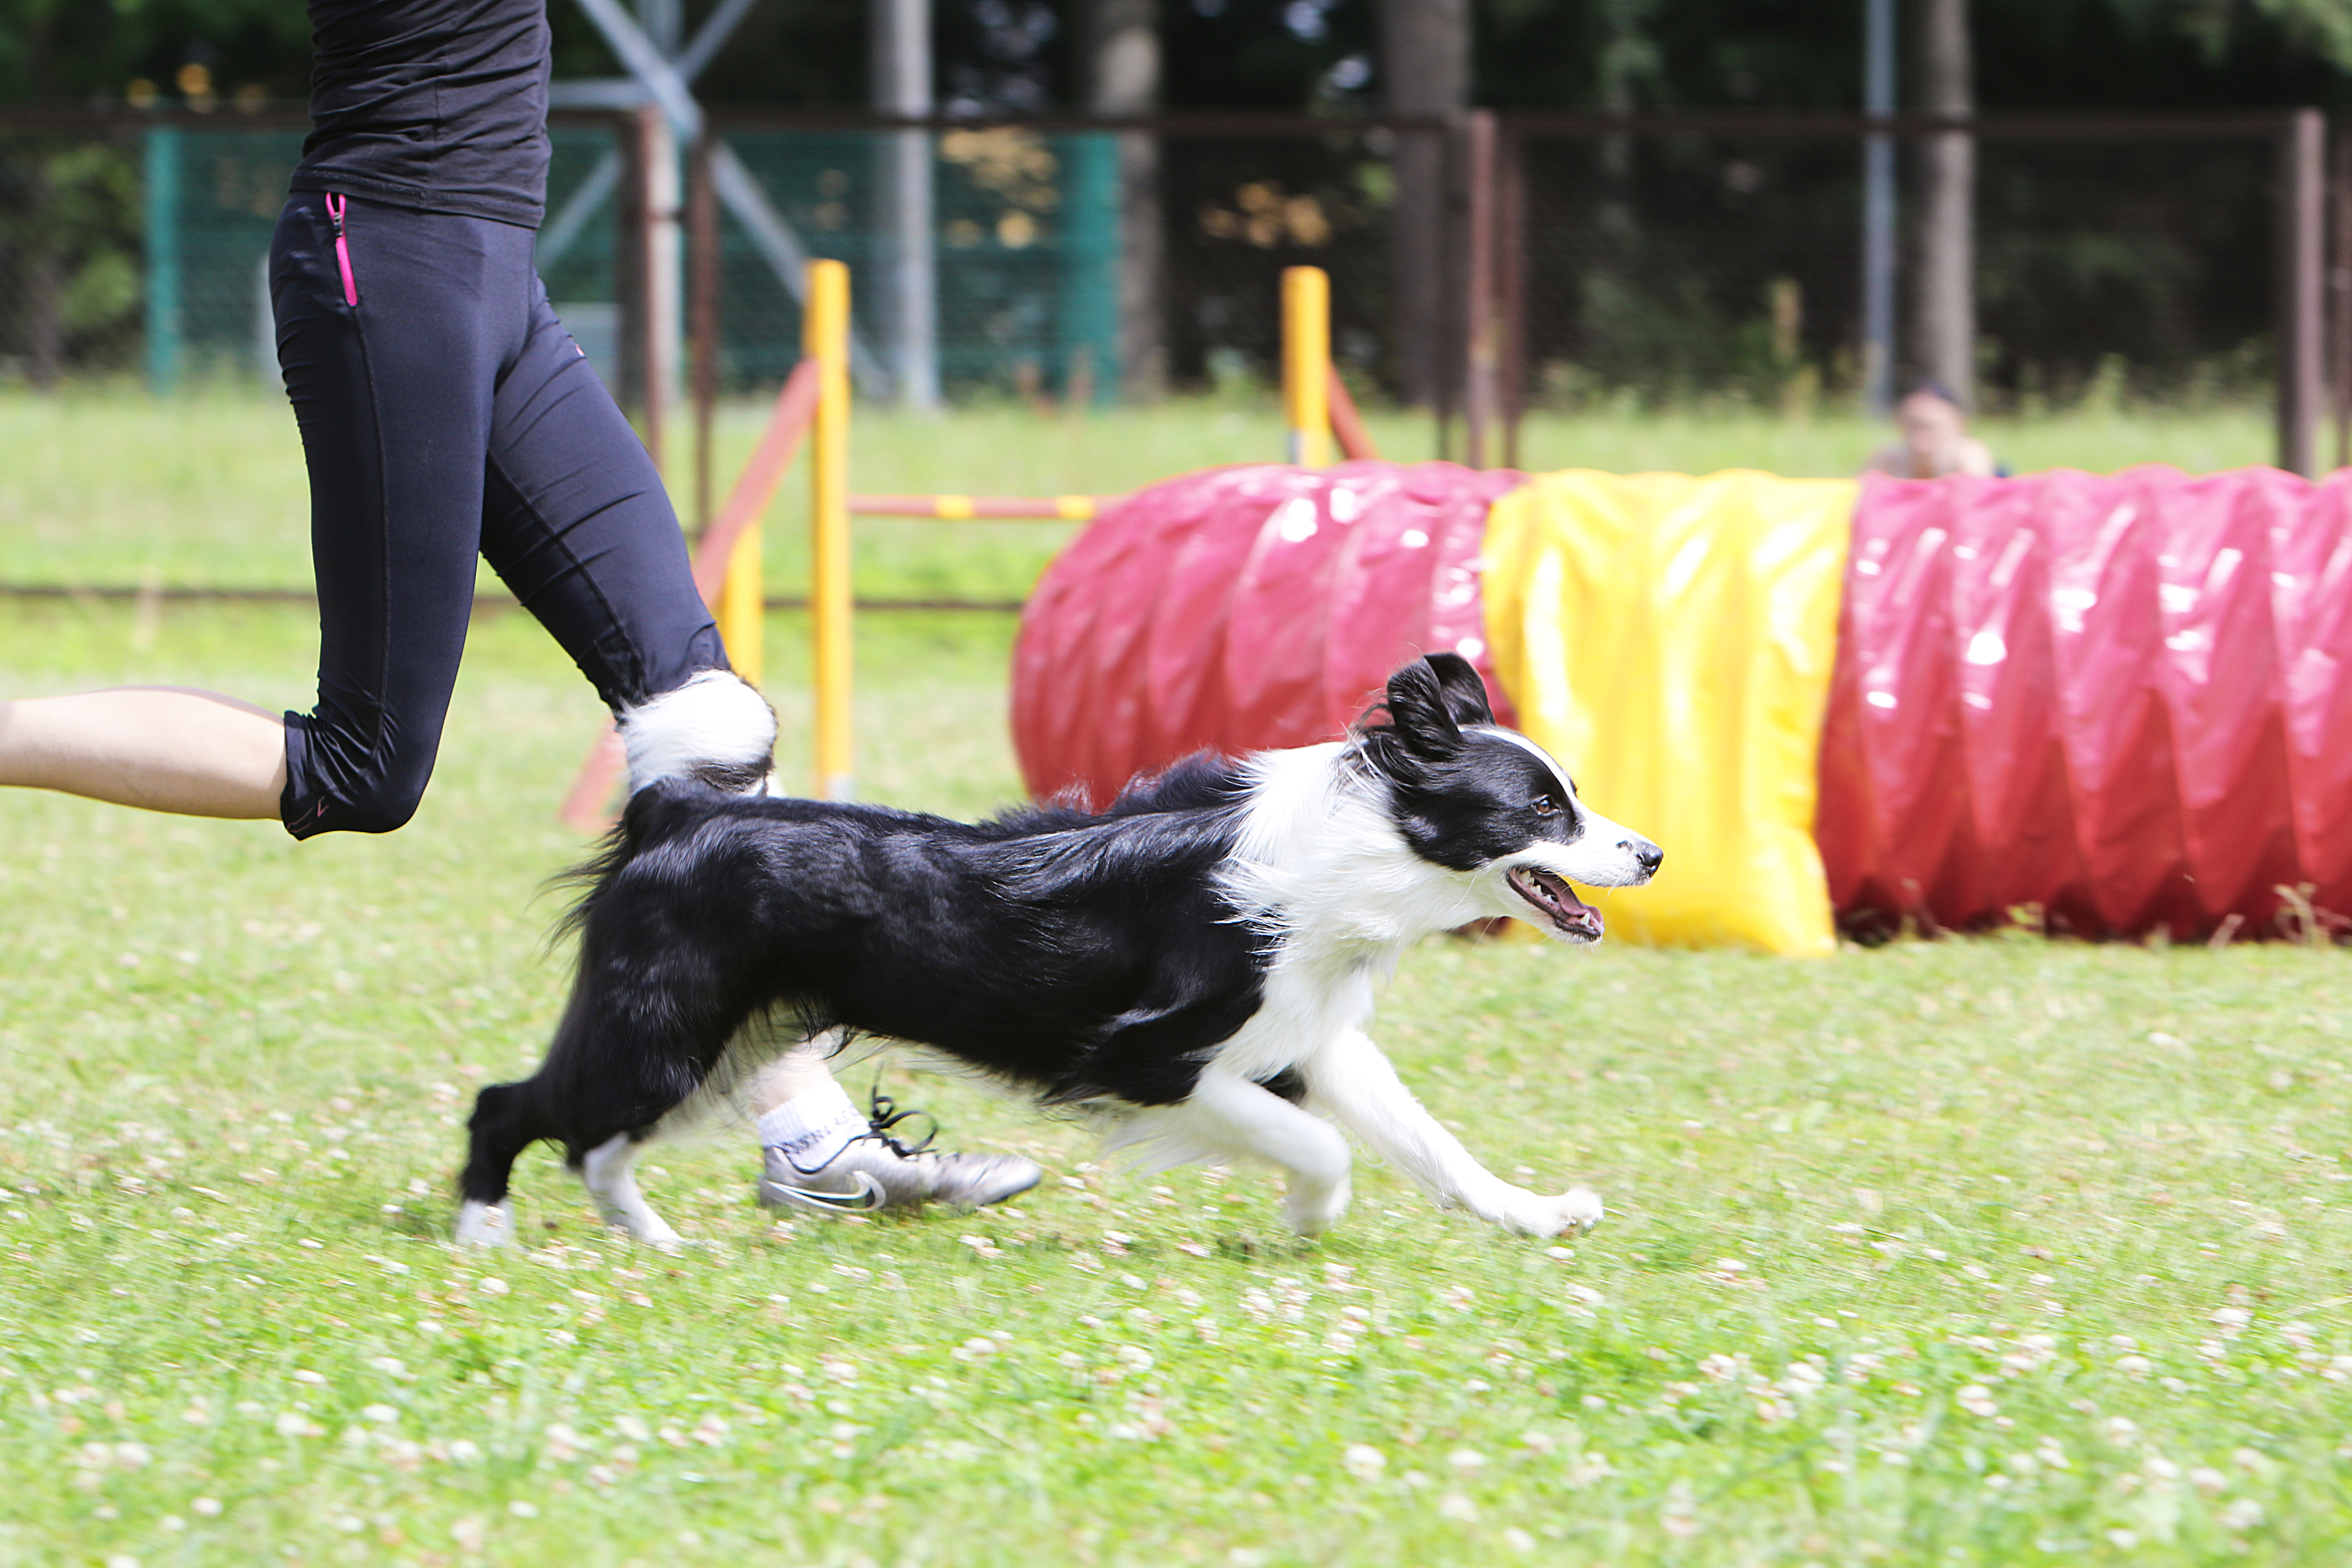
[
  {"x": 1943, "y": 311},
  {"x": 1424, "y": 69},
  {"x": 1284, "y": 53},
  {"x": 97, "y": 49}
]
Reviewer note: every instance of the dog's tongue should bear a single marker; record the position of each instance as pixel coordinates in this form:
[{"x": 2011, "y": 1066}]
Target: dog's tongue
[{"x": 1570, "y": 915}]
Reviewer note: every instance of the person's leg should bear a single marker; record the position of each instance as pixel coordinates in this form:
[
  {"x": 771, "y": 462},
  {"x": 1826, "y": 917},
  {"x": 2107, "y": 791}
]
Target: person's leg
[
  {"x": 163, "y": 748},
  {"x": 577, "y": 524},
  {"x": 392, "y": 396}
]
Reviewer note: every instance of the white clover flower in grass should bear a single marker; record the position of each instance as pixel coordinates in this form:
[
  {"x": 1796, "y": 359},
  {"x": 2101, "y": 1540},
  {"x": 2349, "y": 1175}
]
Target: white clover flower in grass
[
  {"x": 1585, "y": 1467},
  {"x": 1678, "y": 1515},
  {"x": 2230, "y": 1320},
  {"x": 204, "y": 1507},
  {"x": 1455, "y": 1506},
  {"x": 1363, "y": 1462},
  {"x": 2209, "y": 1480},
  {"x": 1466, "y": 1459},
  {"x": 2241, "y": 1514},
  {"x": 1461, "y": 1297},
  {"x": 1977, "y": 1400},
  {"x": 1519, "y": 1540}
]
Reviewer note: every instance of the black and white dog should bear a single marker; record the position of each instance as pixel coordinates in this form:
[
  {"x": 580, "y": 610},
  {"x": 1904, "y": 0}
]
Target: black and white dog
[{"x": 1199, "y": 956}]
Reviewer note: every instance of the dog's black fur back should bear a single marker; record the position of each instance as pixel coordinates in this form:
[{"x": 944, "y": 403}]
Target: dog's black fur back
[{"x": 1078, "y": 954}]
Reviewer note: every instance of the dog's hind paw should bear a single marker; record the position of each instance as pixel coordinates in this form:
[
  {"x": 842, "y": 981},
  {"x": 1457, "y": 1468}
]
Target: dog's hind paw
[
  {"x": 484, "y": 1224},
  {"x": 1312, "y": 1210}
]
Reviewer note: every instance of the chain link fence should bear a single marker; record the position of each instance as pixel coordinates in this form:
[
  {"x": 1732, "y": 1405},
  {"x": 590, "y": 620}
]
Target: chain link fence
[{"x": 1654, "y": 261}]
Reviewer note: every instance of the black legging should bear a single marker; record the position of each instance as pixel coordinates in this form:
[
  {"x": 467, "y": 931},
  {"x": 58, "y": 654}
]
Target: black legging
[{"x": 446, "y": 415}]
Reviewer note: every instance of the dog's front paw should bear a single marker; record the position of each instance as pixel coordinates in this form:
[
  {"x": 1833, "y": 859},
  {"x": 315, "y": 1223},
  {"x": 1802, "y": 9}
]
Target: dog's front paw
[
  {"x": 484, "y": 1224},
  {"x": 1311, "y": 1210},
  {"x": 1577, "y": 1209},
  {"x": 1581, "y": 1206}
]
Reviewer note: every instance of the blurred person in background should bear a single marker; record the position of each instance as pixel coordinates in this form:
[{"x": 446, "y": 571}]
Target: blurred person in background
[{"x": 1933, "y": 439}]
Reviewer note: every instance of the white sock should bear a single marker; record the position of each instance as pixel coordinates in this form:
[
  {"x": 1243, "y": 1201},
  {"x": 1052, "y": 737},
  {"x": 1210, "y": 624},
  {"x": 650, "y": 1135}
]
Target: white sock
[{"x": 812, "y": 1127}]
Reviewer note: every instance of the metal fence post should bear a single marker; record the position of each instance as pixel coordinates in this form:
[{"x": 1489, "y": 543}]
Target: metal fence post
[
  {"x": 2340, "y": 292},
  {"x": 163, "y": 182},
  {"x": 702, "y": 314},
  {"x": 1479, "y": 398},
  {"x": 1511, "y": 284},
  {"x": 1878, "y": 254},
  {"x": 2303, "y": 200}
]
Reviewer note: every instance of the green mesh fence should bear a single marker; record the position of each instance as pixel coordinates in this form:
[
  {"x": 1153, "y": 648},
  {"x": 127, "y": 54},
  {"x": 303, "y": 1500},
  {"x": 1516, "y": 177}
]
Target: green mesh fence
[{"x": 1026, "y": 236}]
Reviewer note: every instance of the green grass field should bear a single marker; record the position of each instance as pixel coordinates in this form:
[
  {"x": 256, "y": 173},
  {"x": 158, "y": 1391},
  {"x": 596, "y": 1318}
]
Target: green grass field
[{"x": 1986, "y": 1252}]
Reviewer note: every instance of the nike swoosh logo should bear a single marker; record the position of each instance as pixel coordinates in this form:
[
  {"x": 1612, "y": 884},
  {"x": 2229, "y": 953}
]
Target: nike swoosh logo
[{"x": 867, "y": 1196}]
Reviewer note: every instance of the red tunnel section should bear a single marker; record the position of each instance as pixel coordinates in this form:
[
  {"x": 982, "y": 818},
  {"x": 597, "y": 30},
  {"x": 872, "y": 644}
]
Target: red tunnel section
[
  {"x": 2120, "y": 699},
  {"x": 1244, "y": 609}
]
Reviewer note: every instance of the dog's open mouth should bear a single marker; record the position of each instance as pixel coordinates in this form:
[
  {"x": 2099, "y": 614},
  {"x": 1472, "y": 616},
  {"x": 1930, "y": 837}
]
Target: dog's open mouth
[{"x": 1570, "y": 915}]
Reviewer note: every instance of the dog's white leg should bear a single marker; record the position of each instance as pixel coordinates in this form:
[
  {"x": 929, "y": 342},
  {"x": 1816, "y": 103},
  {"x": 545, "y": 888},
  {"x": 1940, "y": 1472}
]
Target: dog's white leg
[
  {"x": 1228, "y": 1116},
  {"x": 484, "y": 1224},
  {"x": 1354, "y": 1081},
  {"x": 605, "y": 1172}
]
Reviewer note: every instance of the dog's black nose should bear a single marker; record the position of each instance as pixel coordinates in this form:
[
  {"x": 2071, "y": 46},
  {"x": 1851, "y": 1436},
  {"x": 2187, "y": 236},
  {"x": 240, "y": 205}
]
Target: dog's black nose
[{"x": 1648, "y": 856}]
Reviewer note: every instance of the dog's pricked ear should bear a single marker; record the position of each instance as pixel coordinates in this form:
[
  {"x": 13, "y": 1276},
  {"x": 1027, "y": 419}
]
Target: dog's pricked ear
[
  {"x": 1420, "y": 716},
  {"x": 1460, "y": 687}
]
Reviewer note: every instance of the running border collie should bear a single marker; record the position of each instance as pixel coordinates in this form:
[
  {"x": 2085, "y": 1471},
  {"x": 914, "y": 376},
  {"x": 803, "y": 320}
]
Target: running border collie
[{"x": 1198, "y": 957}]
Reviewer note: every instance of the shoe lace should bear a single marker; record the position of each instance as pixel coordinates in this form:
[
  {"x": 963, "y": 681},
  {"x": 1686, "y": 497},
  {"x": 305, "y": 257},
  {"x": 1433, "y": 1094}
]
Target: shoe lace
[{"x": 883, "y": 1114}]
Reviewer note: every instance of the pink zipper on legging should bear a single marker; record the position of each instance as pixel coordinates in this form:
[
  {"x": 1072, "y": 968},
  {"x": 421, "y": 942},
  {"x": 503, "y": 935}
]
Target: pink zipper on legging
[{"x": 335, "y": 205}]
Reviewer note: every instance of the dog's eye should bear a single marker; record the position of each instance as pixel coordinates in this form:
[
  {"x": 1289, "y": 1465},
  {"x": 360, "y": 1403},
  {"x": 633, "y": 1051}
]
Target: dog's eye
[{"x": 1546, "y": 806}]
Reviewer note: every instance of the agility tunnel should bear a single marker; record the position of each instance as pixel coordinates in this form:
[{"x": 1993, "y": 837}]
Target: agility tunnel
[{"x": 2119, "y": 702}]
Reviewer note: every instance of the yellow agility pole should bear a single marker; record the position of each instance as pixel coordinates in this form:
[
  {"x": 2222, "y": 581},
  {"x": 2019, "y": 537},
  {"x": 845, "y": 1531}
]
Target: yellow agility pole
[
  {"x": 1307, "y": 364},
  {"x": 825, "y": 340}
]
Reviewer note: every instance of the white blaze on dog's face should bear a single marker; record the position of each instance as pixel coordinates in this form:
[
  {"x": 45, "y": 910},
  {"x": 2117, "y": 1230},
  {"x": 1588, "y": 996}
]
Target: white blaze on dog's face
[{"x": 1488, "y": 803}]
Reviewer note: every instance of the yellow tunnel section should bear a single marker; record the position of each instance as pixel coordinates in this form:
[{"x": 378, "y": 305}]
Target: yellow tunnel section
[{"x": 1670, "y": 639}]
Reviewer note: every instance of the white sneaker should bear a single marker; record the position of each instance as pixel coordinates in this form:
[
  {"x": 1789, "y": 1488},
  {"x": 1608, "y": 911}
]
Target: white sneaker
[{"x": 878, "y": 1171}]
